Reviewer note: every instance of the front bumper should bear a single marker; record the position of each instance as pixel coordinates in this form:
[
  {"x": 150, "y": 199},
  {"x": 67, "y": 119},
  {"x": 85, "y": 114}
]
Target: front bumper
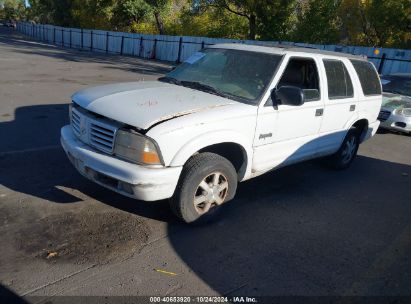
[
  {"x": 397, "y": 123},
  {"x": 143, "y": 183}
]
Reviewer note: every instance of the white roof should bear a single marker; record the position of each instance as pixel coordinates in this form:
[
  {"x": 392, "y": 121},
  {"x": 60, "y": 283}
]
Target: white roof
[{"x": 283, "y": 49}]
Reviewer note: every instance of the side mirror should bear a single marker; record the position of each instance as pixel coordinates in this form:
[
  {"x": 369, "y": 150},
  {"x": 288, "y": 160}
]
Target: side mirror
[{"x": 288, "y": 95}]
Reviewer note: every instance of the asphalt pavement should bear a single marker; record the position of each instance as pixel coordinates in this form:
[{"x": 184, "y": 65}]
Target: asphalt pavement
[{"x": 303, "y": 230}]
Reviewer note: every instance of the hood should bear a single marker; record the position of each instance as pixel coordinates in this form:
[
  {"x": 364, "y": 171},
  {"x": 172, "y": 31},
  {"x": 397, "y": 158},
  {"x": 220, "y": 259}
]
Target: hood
[
  {"x": 143, "y": 104},
  {"x": 395, "y": 101}
]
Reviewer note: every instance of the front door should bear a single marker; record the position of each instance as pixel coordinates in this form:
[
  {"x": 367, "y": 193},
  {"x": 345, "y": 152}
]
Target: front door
[{"x": 287, "y": 134}]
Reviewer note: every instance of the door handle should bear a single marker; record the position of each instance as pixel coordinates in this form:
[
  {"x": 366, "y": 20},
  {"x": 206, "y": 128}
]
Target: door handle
[
  {"x": 319, "y": 112},
  {"x": 352, "y": 108}
]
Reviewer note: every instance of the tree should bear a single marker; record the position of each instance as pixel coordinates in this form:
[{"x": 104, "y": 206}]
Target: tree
[
  {"x": 128, "y": 13},
  {"x": 391, "y": 22},
  {"x": 383, "y": 23},
  {"x": 159, "y": 7},
  {"x": 376, "y": 22},
  {"x": 318, "y": 22},
  {"x": 206, "y": 21},
  {"x": 73, "y": 13},
  {"x": 243, "y": 8},
  {"x": 356, "y": 27},
  {"x": 133, "y": 12},
  {"x": 12, "y": 9},
  {"x": 275, "y": 19}
]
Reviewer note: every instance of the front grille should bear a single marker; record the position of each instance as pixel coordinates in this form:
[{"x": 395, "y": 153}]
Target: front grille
[
  {"x": 383, "y": 116},
  {"x": 97, "y": 132},
  {"x": 75, "y": 122},
  {"x": 102, "y": 136}
]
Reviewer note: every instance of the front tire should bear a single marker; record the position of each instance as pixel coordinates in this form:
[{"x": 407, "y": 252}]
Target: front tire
[
  {"x": 344, "y": 157},
  {"x": 208, "y": 180}
]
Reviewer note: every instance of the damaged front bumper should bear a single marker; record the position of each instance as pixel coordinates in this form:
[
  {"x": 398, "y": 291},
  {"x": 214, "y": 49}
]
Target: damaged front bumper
[{"x": 143, "y": 183}]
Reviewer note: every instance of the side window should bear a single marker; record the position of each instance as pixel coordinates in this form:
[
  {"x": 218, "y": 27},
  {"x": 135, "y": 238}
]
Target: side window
[
  {"x": 369, "y": 79},
  {"x": 339, "y": 81},
  {"x": 302, "y": 73}
]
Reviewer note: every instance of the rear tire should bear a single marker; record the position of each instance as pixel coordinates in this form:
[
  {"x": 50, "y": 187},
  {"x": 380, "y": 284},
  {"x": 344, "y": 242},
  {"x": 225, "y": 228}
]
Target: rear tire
[
  {"x": 207, "y": 182},
  {"x": 344, "y": 157}
]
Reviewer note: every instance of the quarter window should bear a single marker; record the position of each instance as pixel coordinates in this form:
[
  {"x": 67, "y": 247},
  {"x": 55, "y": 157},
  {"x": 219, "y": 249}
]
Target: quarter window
[
  {"x": 368, "y": 76},
  {"x": 339, "y": 81}
]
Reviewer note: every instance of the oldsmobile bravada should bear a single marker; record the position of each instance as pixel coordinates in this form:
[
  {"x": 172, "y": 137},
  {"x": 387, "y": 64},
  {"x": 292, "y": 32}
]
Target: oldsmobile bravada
[{"x": 227, "y": 114}]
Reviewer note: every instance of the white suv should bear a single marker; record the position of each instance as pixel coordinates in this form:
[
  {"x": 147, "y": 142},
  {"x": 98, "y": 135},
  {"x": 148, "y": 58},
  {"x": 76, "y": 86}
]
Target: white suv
[{"x": 227, "y": 114}]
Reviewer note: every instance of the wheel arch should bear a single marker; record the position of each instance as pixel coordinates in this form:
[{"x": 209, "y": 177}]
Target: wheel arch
[
  {"x": 362, "y": 125},
  {"x": 226, "y": 144},
  {"x": 234, "y": 152}
]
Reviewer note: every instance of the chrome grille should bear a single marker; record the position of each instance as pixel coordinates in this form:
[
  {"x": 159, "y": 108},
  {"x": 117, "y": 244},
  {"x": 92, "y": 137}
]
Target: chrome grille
[
  {"x": 383, "y": 116},
  {"x": 97, "y": 132}
]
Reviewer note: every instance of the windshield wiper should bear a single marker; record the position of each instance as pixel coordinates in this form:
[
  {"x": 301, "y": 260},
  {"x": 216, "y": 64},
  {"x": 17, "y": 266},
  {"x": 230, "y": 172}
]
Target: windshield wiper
[
  {"x": 203, "y": 87},
  {"x": 199, "y": 86},
  {"x": 170, "y": 80}
]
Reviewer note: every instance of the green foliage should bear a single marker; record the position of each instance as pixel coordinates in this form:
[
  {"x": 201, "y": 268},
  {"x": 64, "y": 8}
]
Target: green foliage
[
  {"x": 12, "y": 10},
  {"x": 318, "y": 22},
  {"x": 391, "y": 22},
  {"x": 129, "y": 13},
  {"x": 376, "y": 22},
  {"x": 246, "y": 9},
  {"x": 275, "y": 19},
  {"x": 211, "y": 23},
  {"x": 383, "y": 23}
]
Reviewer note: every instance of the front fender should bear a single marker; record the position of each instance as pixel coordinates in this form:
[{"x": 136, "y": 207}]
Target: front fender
[{"x": 212, "y": 138}]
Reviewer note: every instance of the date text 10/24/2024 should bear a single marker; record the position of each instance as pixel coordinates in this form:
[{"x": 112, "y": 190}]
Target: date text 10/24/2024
[{"x": 199, "y": 299}]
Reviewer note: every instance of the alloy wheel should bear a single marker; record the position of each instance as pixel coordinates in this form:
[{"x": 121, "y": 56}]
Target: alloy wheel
[
  {"x": 349, "y": 149},
  {"x": 211, "y": 192}
]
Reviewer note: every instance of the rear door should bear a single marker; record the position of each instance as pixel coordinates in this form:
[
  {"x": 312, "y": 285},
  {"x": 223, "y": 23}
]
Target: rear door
[{"x": 340, "y": 103}]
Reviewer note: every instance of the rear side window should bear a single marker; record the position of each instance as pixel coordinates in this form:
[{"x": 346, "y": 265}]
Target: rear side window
[
  {"x": 369, "y": 79},
  {"x": 339, "y": 81}
]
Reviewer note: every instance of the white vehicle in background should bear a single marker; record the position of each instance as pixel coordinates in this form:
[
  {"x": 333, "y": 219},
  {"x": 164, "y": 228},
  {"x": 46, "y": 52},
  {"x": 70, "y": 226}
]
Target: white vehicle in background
[
  {"x": 395, "y": 112},
  {"x": 227, "y": 114}
]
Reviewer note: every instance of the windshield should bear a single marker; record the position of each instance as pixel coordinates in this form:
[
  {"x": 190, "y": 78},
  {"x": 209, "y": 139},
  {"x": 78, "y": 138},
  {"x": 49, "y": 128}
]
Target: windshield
[
  {"x": 396, "y": 101},
  {"x": 396, "y": 85},
  {"x": 235, "y": 74}
]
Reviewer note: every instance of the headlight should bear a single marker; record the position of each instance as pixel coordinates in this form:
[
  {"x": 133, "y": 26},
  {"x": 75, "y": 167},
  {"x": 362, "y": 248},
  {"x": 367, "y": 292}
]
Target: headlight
[
  {"x": 403, "y": 112},
  {"x": 136, "y": 148}
]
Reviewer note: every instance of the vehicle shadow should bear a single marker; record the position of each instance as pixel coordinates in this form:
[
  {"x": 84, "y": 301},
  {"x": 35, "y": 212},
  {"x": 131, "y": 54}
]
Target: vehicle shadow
[
  {"x": 8, "y": 296},
  {"x": 305, "y": 230}
]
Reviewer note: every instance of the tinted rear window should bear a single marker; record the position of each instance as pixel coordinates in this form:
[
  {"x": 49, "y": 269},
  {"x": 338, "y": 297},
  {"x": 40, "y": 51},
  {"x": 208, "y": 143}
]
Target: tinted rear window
[
  {"x": 339, "y": 81},
  {"x": 369, "y": 79}
]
